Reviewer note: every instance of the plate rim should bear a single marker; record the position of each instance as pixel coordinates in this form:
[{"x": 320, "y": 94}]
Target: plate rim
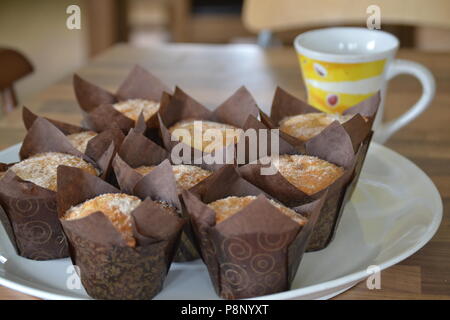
[{"x": 353, "y": 277}]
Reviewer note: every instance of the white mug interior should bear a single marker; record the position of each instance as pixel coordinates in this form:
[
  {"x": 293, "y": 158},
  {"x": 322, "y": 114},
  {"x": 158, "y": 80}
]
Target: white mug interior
[{"x": 346, "y": 44}]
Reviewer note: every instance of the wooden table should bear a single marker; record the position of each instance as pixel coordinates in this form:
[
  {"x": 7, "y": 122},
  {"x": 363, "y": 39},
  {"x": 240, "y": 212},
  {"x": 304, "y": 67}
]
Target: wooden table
[{"x": 211, "y": 73}]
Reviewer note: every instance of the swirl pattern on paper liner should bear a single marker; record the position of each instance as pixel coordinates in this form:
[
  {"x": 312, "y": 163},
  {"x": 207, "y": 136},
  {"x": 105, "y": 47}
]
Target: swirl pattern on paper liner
[
  {"x": 249, "y": 265},
  {"x": 114, "y": 272},
  {"x": 37, "y": 231}
]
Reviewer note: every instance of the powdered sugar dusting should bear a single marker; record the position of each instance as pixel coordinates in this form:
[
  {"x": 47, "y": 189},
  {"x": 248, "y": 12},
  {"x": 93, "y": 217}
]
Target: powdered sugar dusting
[
  {"x": 305, "y": 126},
  {"x": 80, "y": 140},
  {"x": 125, "y": 203},
  {"x": 307, "y": 173},
  {"x": 132, "y": 108},
  {"x": 186, "y": 176},
  {"x": 213, "y": 135},
  {"x": 116, "y": 206},
  {"x": 227, "y": 207},
  {"x": 120, "y": 203},
  {"x": 41, "y": 169}
]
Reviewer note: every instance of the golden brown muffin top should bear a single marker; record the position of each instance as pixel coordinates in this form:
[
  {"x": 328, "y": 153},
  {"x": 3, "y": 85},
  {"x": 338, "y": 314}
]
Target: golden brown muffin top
[
  {"x": 186, "y": 176},
  {"x": 227, "y": 207},
  {"x": 80, "y": 140},
  {"x": 308, "y": 174},
  {"x": 41, "y": 169},
  {"x": 116, "y": 206},
  {"x": 132, "y": 108},
  {"x": 305, "y": 126},
  {"x": 203, "y": 137}
]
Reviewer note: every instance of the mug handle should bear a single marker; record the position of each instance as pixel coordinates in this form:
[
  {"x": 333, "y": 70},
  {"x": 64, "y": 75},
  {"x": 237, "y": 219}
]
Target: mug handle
[{"x": 427, "y": 81}]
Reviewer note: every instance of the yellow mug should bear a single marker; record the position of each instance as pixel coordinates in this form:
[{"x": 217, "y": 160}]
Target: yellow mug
[{"x": 343, "y": 66}]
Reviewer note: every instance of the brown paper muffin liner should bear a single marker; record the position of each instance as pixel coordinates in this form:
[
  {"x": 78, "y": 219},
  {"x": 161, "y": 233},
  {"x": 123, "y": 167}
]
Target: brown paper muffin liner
[
  {"x": 255, "y": 252},
  {"x": 4, "y": 220},
  {"x": 334, "y": 145},
  {"x": 180, "y": 106},
  {"x": 136, "y": 151},
  {"x": 358, "y": 129},
  {"x": 96, "y": 102},
  {"x": 44, "y": 136},
  {"x": 28, "y": 118},
  {"x": 359, "y": 162},
  {"x": 28, "y": 210},
  {"x": 3, "y": 217},
  {"x": 108, "y": 267},
  {"x": 29, "y": 217},
  {"x": 286, "y": 105},
  {"x": 151, "y": 133},
  {"x": 95, "y": 147}
]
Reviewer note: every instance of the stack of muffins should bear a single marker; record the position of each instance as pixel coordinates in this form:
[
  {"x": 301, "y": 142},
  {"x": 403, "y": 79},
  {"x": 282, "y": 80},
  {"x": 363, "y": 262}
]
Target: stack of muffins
[{"x": 118, "y": 199}]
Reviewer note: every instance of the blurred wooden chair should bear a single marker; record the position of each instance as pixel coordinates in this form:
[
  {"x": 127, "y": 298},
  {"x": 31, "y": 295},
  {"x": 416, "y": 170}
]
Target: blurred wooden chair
[
  {"x": 268, "y": 16},
  {"x": 13, "y": 66},
  {"x": 210, "y": 21}
]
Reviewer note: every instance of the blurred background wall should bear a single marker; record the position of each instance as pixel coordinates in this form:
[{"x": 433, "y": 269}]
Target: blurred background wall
[{"x": 38, "y": 30}]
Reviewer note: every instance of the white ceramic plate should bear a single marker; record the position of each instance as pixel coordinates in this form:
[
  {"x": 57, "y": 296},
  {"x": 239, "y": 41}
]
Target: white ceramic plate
[{"x": 395, "y": 210}]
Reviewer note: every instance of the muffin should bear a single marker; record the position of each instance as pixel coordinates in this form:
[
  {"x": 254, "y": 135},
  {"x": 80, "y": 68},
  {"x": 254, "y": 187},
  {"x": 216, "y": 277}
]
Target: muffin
[
  {"x": 186, "y": 176},
  {"x": 41, "y": 169},
  {"x": 123, "y": 244},
  {"x": 176, "y": 178},
  {"x": 305, "y": 126},
  {"x": 307, "y": 173},
  {"x": 227, "y": 207},
  {"x": 117, "y": 207},
  {"x": 196, "y": 128},
  {"x": 80, "y": 140},
  {"x": 258, "y": 250},
  {"x": 132, "y": 108}
]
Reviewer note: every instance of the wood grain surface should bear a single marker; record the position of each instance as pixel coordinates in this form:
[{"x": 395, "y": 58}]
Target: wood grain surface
[{"x": 211, "y": 73}]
